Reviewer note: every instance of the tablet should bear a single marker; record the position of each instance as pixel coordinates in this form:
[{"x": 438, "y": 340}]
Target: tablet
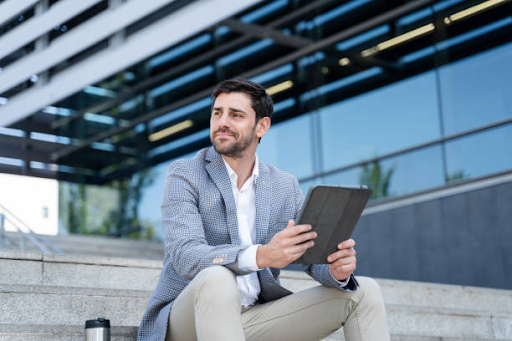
[{"x": 333, "y": 212}]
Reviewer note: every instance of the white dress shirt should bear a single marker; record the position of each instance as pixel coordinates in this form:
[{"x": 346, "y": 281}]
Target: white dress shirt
[{"x": 245, "y": 200}]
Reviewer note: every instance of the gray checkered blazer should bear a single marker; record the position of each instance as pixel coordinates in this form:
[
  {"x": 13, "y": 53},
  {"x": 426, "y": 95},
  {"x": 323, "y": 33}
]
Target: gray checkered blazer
[{"x": 200, "y": 229}]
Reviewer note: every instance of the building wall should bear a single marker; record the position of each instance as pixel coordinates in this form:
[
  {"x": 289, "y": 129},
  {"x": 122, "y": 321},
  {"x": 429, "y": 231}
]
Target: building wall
[
  {"x": 409, "y": 128},
  {"x": 457, "y": 238}
]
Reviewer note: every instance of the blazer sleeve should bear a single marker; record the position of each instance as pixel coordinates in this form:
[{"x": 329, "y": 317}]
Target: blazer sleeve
[
  {"x": 320, "y": 272},
  {"x": 183, "y": 231}
]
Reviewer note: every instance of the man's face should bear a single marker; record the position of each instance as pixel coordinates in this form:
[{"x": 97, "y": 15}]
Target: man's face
[{"x": 233, "y": 124}]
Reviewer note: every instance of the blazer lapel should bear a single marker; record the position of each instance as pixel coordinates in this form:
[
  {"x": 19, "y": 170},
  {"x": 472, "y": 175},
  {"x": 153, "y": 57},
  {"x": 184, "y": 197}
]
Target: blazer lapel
[
  {"x": 217, "y": 170},
  {"x": 263, "y": 202}
]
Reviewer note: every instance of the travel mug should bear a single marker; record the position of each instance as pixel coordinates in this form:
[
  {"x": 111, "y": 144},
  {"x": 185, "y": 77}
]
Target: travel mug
[{"x": 97, "y": 330}]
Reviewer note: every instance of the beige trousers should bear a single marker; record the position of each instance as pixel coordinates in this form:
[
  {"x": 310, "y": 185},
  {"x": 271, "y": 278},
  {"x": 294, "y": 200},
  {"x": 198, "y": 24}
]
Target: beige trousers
[{"x": 209, "y": 309}]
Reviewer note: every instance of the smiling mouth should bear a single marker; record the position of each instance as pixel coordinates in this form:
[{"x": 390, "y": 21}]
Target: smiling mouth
[{"x": 224, "y": 135}]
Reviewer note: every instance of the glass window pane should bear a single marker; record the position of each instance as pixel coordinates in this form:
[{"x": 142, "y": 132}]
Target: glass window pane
[
  {"x": 415, "y": 171},
  {"x": 381, "y": 121},
  {"x": 305, "y": 185},
  {"x": 407, "y": 173},
  {"x": 288, "y": 146},
  {"x": 480, "y": 154},
  {"x": 476, "y": 90}
]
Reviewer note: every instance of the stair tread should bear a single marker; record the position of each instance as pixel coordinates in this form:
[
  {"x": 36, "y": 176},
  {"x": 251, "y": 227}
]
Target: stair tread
[{"x": 68, "y": 290}]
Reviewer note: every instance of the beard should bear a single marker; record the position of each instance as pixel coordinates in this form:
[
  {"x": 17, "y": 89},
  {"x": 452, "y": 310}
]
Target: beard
[{"x": 233, "y": 149}]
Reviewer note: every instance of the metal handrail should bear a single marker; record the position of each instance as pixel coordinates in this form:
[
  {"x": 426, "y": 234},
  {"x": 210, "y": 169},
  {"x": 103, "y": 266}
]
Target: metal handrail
[
  {"x": 4, "y": 236},
  {"x": 41, "y": 242}
]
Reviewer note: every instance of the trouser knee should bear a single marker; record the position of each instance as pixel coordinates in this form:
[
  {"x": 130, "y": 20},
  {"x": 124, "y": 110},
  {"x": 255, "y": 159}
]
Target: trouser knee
[
  {"x": 217, "y": 283},
  {"x": 370, "y": 293}
]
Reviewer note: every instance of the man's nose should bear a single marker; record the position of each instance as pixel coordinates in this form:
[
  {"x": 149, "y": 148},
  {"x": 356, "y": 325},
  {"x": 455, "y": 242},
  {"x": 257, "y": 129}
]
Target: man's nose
[{"x": 223, "y": 120}]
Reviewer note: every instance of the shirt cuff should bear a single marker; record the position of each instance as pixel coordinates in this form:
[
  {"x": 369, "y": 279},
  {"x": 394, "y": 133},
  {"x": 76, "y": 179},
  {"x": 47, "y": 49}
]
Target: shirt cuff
[
  {"x": 342, "y": 284},
  {"x": 247, "y": 259}
]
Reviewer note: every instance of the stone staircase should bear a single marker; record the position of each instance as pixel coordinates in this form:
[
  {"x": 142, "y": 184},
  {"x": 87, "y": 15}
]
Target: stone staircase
[
  {"x": 419, "y": 311},
  {"x": 79, "y": 244},
  {"x": 49, "y": 297}
]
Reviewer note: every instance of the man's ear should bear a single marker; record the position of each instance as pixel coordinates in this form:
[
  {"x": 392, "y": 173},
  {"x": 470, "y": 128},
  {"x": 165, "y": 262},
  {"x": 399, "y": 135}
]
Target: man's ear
[{"x": 262, "y": 126}]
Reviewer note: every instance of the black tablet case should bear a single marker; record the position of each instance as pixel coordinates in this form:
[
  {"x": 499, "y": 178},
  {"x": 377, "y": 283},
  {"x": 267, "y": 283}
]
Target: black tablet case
[{"x": 333, "y": 213}]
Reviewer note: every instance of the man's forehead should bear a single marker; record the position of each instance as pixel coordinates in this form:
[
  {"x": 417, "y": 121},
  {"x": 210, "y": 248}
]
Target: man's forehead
[{"x": 233, "y": 100}]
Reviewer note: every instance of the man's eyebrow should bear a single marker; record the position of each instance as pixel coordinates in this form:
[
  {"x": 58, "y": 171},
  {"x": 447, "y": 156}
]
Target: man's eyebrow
[
  {"x": 230, "y": 109},
  {"x": 237, "y": 110}
]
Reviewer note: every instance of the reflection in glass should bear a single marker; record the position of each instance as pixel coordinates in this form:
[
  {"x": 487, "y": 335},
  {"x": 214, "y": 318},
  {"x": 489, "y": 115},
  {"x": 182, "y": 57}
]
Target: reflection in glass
[
  {"x": 305, "y": 185},
  {"x": 476, "y": 90},
  {"x": 382, "y": 121},
  {"x": 287, "y": 146},
  {"x": 415, "y": 171},
  {"x": 377, "y": 178},
  {"x": 404, "y": 174},
  {"x": 347, "y": 177},
  {"x": 480, "y": 154}
]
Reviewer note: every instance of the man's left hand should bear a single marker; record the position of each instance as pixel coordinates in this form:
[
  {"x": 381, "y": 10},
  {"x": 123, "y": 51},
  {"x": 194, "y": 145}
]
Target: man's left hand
[{"x": 342, "y": 263}]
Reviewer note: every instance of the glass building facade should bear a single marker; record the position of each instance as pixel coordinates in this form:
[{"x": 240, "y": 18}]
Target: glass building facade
[
  {"x": 409, "y": 130},
  {"x": 410, "y": 104}
]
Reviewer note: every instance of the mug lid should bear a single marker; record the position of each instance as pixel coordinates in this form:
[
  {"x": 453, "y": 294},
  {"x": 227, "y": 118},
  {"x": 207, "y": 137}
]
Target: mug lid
[{"x": 101, "y": 322}]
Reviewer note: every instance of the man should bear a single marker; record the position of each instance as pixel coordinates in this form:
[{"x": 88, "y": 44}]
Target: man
[{"x": 228, "y": 227}]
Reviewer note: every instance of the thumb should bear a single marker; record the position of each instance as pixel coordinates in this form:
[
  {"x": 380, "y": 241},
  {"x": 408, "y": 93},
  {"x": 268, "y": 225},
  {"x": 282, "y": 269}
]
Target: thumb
[{"x": 291, "y": 223}]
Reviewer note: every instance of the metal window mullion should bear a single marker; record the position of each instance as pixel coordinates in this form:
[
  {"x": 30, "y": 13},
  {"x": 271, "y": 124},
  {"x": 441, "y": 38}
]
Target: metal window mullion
[
  {"x": 42, "y": 42},
  {"x": 431, "y": 143},
  {"x": 117, "y": 39}
]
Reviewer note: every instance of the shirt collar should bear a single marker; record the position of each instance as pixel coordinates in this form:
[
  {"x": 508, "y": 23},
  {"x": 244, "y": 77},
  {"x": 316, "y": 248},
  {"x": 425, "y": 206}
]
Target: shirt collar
[{"x": 234, "y": 177}]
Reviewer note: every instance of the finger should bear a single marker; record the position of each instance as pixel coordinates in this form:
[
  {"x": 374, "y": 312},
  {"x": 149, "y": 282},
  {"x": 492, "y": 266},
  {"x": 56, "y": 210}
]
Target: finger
[
  {"x": 288, "y": 230},
  {"x": 344, "y": 261},
  {"x": 303, "y": 237},
  {"x": 343, "y": 268},
  {"x": 347, "y": 244},
  {"x": 301, "y": 248},
  {"x": 341, "y": 254},
  {"x": 341, "y": 273},
  {"x": 347, "y": 268},
  {"x": 296, "y": 230},
  {"x": 296, "y": 256}
]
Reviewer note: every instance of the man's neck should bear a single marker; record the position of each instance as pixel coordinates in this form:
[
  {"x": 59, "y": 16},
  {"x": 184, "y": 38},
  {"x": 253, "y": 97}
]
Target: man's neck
[{"x": 242, "y": 166}]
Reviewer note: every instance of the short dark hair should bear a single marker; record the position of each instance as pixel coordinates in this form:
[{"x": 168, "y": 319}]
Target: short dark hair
[{"x": 261, "y": 102}]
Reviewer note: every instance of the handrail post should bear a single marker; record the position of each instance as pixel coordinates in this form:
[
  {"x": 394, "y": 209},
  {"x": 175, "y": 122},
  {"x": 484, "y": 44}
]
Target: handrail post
[
  {"x": 2, "y": 226},
  {"x": 22, "y": 241}
]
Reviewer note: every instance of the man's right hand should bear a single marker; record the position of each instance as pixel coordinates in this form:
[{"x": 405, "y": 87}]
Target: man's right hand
[{"x": 285, "y": 246}]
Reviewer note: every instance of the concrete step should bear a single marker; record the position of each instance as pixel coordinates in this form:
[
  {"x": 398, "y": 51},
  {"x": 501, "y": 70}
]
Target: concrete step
[
  {"x": 78, "y": 271},
  {"x": 59, "y": 333},
  {"x": 423, "y": 294},
  {"x": 418, "y": 323},
  {"x": 429, "y": 311},
  {"x": 49, "y": 297},
  {"x": 67, "y": 306},
  {"x": 76, "y": 244},
  {"x": 65, "y": 290}
]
